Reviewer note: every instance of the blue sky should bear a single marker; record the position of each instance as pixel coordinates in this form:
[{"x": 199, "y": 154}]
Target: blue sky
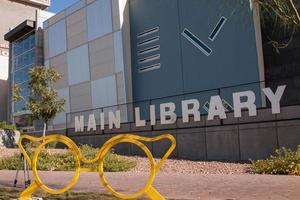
[{"x": 58, "y": 5}]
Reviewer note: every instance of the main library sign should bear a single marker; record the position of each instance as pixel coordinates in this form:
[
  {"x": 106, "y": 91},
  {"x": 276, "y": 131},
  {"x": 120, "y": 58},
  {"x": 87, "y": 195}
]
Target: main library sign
[{"x": 190, "y": 108}]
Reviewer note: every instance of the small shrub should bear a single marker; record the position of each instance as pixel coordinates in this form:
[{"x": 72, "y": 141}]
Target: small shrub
[
  {"x": 6, "y": 126},
  {"x": 285, "y": 162},
  {"x": 112, "y": 163},
  {"x": 8, "y": 194},
  {"x": 64, "y": 161},
  {"x": 10, "y": 163}
]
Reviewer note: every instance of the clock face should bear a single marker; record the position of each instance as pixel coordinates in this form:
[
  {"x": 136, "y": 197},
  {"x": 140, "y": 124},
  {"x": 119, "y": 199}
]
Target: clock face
[{"x": 191, "y": 45}]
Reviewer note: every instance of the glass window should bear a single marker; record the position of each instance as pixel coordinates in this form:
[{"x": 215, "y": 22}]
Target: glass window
[
  {"x": 18, "y": 62},
  {"x": 24, "y": 52},
  {"x": 23, "y": 121},
  {"x": 21, "y": 75},
  {"x": 25, "y": 90},
  {"x": 16, "y": 49},
  {"x": 26, "y": 44},
  {"x": 23, "y": 60},
  {"x": 20, "y": 106},
  {"x": 32, "y": 56},
  {"x": 31, "y": 41},
  {"x": 26, "y": 60}
]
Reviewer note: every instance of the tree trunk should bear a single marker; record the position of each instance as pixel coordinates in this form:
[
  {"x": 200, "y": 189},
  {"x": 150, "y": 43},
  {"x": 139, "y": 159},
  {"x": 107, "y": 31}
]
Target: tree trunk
[
  {"x": 44, "y": 131},
  {"x": 45, "y": 127}
]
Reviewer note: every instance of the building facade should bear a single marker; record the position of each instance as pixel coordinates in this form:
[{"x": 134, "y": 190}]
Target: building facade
[
  {"x": 86, "y": 44},
  {"x": 12, "y": 13},
  {"x": 3, "y": 81},
  {"x": 120, "y": 54},
  {"x": 26, "y": 51},
  {"x": 191, "y": 68}
]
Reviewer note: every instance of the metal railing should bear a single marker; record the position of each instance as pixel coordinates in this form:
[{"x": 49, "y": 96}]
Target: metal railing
[{"x": 127, "y": 109}]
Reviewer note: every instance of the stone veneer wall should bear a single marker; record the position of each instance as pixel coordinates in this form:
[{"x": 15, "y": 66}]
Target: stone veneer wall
[
  {"x": 222, "y": 140},
  {"x": 3, "y": 99},
  {"x": 9, "y": 139}
]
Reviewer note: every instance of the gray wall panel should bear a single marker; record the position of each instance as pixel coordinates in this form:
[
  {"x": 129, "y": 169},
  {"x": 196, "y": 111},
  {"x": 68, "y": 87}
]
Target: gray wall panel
[
  {"x": 258, "y": 141},
  {"x": 223, "y": 143},
  {"x": 161, "y": 147},
  {"x": 191, "y": 144},
  {"x": 57, "y": 38},
  {"x": 250, "y": 139},
  {"x": 288, "y": 134}
]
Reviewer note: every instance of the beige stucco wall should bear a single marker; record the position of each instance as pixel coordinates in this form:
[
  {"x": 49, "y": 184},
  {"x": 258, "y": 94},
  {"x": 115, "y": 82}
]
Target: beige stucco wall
[
  {"x": 12, "y": 14},
  {"x": 3, "y": 99}
]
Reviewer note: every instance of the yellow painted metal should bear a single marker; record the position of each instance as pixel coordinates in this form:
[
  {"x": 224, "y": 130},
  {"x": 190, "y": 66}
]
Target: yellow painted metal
[{"x": 79, "y": 158}]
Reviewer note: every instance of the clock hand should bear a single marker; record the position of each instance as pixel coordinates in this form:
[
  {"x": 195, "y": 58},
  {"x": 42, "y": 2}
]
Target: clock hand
[
  {"x": 196, "y": 42},
  {"x": 217, "y": 28}
]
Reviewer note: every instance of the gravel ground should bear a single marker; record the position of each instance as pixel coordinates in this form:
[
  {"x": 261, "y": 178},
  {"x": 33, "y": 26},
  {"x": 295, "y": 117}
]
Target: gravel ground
[
  {"x": 8, "y": 152},
  {"x": 174, "y": 166},
  {"x": 193, "y": 167},
  {"x": 178, "y": 186}
]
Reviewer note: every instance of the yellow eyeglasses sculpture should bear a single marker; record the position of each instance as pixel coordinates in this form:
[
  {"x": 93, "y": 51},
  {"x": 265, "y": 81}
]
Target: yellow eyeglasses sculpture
[{"x": 79, "y": 158}]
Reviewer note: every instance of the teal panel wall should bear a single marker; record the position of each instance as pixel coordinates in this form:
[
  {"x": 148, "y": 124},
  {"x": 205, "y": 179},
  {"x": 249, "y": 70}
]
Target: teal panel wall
[{"x": 184, "y": 66}]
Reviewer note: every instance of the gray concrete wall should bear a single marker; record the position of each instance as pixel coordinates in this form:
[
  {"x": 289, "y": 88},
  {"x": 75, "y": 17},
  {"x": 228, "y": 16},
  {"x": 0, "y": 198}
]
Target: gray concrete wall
[{"x": 222, "y": 140}]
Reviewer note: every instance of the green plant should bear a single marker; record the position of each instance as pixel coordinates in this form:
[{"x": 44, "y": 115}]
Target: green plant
[
  {"x": 43, "y": 102},
  {"x": 280, "y": 21},
  {"x": 285, "y": 10},
  {"x": 8, "y": 194},
  {"x": 284, "y": 162},
  {"x": 63, "y": 160},
  {"x": 6, "y": 126}
]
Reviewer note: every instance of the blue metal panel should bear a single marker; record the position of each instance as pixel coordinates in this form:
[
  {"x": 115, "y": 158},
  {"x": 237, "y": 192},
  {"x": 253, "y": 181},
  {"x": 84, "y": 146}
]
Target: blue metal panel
[
  {"x": 164, "y": 80},
  {"x": 234, "y": 57},
  {"x": 202, "y": 45}
]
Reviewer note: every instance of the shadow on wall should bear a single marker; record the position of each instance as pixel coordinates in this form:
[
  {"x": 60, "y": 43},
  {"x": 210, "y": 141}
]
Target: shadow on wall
[{"x": 8, "y": 138}]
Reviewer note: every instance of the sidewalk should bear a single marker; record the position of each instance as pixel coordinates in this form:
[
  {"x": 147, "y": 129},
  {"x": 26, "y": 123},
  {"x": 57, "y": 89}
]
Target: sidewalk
[{"x": 179, "y": 186}]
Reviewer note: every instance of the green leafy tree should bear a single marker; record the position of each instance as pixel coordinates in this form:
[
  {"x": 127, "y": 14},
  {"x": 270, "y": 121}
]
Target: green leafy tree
[
  {"x": 43, "y": 100},
  {"x": 280, "y": 17},
  {"x": 285, "y": 10}
]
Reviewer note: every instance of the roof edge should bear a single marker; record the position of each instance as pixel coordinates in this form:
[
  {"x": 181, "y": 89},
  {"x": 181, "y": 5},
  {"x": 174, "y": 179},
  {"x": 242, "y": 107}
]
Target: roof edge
[{"x": 20, "y": 30}]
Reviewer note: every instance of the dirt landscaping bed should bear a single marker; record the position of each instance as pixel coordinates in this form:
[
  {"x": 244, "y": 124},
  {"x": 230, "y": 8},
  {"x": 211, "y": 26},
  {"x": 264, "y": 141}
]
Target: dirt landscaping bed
[
  {"x": 193, "y": 167},
  {"x": 172, "y": 166},
  {"x": 8, "y": 152}
]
